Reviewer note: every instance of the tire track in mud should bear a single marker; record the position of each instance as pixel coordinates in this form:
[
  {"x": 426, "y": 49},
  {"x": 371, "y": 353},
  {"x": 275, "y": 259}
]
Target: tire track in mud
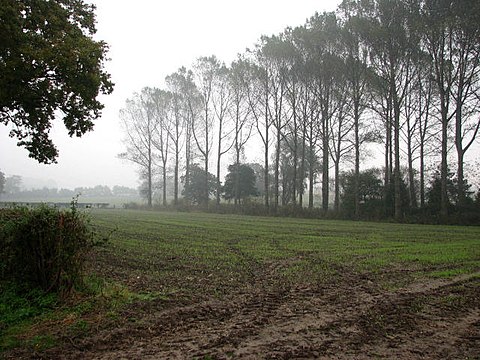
[{"x": 265, "y": 322}]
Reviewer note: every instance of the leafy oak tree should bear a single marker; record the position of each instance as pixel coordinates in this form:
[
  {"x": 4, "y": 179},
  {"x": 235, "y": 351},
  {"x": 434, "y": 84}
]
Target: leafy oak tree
[{"x": 49, "y": 65}]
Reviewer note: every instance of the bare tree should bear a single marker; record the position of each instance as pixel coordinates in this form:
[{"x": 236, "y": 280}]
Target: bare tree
[
  {"x": 258, "y": 99},
  {"x": 205, "y": 68},
  {"x": 179, "y": 117},
  {"x": 139, "y": 125},
  {"x": 427, "y": 129},
  {"x": 222, "y": 99},
  {"x": 393, "y": 48},
  {"x": 356, "y": 77},
  {"x": 273, "y": 57},
  {"x": 240, "y": 112},
  {"x": 324, "y": 42},
  {"x": 161, "y": 105},
  {"x": 341, "y": 127}
]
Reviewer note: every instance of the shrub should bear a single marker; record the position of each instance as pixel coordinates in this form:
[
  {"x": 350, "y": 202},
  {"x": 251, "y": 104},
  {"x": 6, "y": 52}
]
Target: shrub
[{"x": 44, "y": 247}]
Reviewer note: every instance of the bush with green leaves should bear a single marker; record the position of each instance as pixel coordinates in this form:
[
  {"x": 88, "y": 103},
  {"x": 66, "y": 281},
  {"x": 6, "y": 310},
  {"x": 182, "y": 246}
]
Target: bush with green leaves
[{"x": 44, "y": 247}]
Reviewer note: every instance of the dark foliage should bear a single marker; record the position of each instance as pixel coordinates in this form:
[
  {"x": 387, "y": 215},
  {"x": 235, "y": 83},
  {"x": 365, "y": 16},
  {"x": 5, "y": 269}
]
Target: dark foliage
[
  {"x": 194, "y": 191},
  {"x": 49, "y": 62},
  {"x": 239, "y": 182},
  {"x": 371, "y": 191},
  {"x": 44, "y": 247}
]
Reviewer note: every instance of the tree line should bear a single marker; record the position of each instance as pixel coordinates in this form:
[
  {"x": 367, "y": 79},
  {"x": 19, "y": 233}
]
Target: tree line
[
  {"x": 12, "y": 188},
  {"x": 400, "y": 74}
]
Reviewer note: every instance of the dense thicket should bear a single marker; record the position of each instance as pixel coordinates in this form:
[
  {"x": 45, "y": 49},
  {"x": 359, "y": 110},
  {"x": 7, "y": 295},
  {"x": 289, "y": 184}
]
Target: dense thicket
[{"x": 396, "y": 76}]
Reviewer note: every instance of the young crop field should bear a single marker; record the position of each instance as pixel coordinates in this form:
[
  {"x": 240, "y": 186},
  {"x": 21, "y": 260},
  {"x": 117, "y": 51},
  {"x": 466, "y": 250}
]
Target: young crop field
[{"x": 208, "y": 286}]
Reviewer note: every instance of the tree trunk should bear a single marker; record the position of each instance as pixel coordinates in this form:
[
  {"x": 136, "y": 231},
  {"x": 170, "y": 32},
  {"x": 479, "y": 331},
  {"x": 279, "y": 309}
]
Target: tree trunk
[
  {"x": 302, "y": 171},
  {"x": 266, "y": 182},
  {"x": 218, "y": 170},
  {"x": 311, "y": 167},
  {"x": 237, "y": 176},
  {"x": 310, "y": 187},
  {"x": 356, "y": 184},
  {"x": 175, "y": 175},
  {"x": 460, "y": 178},
  {"x": 295, "y": 149},
  {"x": 267, "y": 141},
  {"x": 444, "y": 167},
  {"x": 187, "y": 159},
  {"x": 206, "y": 190},
  {"x": 325, "y": 162},
  {"x": 164, "y": 192},
  {"x": 422, "y": 175},
  {"x": 149, "y": 180},
  {"x": 411, "y": 177},
  {"x": 388, "y": 155},
  {"x": 277, "y": 169},
  {"x": 460, "y": 153},
  {"x": 397, "y": 174},
  {"x": 337, "y": 187}
]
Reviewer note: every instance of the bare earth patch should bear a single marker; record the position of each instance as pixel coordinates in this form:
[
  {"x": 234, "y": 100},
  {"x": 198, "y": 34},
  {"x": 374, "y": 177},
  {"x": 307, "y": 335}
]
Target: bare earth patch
[{"x": 351, "y": 318}]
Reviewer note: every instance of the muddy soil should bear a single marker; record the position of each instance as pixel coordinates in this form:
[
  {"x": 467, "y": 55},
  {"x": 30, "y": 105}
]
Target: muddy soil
[{"x": 352, "y": 317}]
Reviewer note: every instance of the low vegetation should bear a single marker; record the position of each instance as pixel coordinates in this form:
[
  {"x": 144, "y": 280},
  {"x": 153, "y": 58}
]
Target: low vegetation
[{"x": 44, "y": 247}]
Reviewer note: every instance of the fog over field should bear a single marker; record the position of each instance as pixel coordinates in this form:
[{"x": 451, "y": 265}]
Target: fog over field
[{"x": 149, "y": 40}]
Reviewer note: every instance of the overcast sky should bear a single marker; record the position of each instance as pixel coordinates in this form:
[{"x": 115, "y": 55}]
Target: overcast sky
[{"x": 150, "y": 39}]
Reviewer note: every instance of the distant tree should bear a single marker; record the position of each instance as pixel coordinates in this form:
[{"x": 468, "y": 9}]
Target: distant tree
[
  {"x": 240, "y": 111},
  {"x": 118, "y": 190},
  {"x": 222, "y": 101},
  {"x": 239, "y": 183},
  {"x": 49, "y": 65},
  {"x": 292, "y": 179},
  {"x": 13, "y": 185},
  {"x": 194, "y": 190},
  {"x": 180, "y": 128},
  {"x": 187, "y": 109},
  {"x": 2, "y": 182},
  {"x": 434, "y": 197},
  {"x": 393, "y": 48},
  {"x": 205, "y": 69},
  {"x": 101, "y": 191},
  {"x": 274, "y": 55},
  {"x": 358, "y": 91},
  {"x": 477, "y": 200},
  {"x": 324, "y": 39},
  {"x": 66, "y": 193},
  {"x": 162, "y": 112},
  {"x": 390, "y": 199},
  {"x": 258, "y": 80},
  {"x": 370, "y": 192},
  {"x": 259, "y": 172},
  {"x": 434, "y": 192}
]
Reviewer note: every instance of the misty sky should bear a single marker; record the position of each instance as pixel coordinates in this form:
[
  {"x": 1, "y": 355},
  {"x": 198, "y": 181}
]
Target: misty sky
[{"x": 149, "y": 40}]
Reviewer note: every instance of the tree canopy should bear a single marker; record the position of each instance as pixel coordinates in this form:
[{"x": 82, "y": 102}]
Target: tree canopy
[
  {"x": 193, "y": 191},
  {"x": 49, "y": 65},
  {"x": 239, "y": 182}
]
